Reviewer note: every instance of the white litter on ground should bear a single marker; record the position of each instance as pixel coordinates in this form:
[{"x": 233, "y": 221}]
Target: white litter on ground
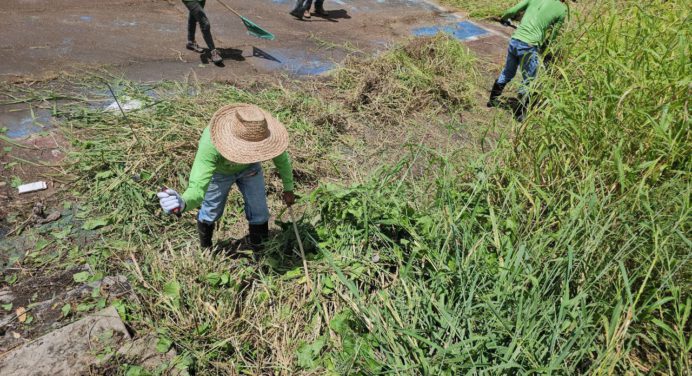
[
  {"x": 32, "y": 187},
  {"x": 127, "y": 103}
]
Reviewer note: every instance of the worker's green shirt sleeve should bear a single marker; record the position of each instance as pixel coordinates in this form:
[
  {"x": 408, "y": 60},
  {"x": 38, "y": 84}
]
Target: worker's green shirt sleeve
[
  {"x": 556, "y": 28},
  {"x": 283, "y": 165},
  {"x": 511, "y": 12},
  {"x": 202, "y": 170}
]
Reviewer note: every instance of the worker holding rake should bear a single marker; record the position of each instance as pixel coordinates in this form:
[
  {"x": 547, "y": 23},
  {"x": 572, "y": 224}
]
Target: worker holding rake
[
  {"x": 238, "y": 138},
  {"x": 197, "y": 16},
  {"x": 539, "y": 16}
]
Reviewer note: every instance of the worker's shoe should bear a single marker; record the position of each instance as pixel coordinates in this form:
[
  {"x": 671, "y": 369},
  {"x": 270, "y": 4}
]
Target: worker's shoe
[
  {"x": 495, "y": 93},
  {"x": 297, "y": 13},
  {"x": 320, "y": 12},
  {"x": 206, "y": 232},
  {"x": 193, "y": 46},
  {"x": 216, "y": 56}
]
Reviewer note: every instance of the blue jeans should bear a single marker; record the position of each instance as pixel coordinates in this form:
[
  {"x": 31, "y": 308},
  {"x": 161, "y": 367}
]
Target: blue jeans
[
  {"x": 524, "y": 55},
  {"x": 250, "y": 183}
]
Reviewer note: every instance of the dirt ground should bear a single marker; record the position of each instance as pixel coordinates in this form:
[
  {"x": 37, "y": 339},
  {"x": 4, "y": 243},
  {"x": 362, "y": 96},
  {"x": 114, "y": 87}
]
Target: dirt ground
[{"x": 145, "y": 39}]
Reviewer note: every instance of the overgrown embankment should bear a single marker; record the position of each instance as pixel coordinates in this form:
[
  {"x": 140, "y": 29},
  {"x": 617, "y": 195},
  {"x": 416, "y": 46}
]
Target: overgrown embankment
[{"x": 564, "y": 250}]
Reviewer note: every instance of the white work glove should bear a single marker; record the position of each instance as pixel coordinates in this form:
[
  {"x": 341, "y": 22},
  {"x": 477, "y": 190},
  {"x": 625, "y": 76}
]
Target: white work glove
[{"x": 170, "y": 200}]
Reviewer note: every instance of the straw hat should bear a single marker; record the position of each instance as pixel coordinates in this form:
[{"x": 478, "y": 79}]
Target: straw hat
[{"x": 245, "y": 133}]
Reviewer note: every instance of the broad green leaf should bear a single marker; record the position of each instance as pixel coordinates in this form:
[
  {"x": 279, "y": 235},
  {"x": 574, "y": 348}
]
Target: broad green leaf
[
  {"x": 81, "y": 277},
  {"x": 213, "y": 278},
  {"x": 308, "y": 353},
  {"x": 163, "y": 344},
  {"x": 93, "y": 224},
  {"x": 66, "y": 309}
]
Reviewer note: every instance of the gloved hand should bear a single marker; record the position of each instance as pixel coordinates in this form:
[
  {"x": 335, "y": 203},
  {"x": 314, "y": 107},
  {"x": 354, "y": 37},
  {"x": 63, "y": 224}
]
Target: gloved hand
[
  {"x": 289, "y": 198},
  {"x": 171, "y": 200}
]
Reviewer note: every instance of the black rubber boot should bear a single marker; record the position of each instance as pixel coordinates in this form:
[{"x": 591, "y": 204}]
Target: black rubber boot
[
  {"x": 206, "y": 231},
  {"x": 524, "y": 103},
  {"x": 258, "y": 234},
  {"x": 495, "y": 93},
  {"x": 319, "y": 9}
]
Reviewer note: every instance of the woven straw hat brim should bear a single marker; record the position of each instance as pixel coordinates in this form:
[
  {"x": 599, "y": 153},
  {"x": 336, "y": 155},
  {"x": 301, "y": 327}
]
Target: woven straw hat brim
[{"x": 241, "y": 151}]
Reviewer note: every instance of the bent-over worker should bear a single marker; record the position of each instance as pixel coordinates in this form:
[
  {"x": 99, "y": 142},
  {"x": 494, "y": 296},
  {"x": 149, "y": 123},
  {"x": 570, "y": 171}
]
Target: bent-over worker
[
  {"x": 523, "y": 48},
  {"x": 238, "y": 138}
]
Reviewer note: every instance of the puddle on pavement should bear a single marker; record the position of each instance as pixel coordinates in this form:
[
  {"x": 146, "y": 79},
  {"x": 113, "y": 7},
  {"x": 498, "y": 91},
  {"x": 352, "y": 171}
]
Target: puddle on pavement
[
  {"x": 22, "y": 122},
  {"x": 464, "y": 30},
  {"x": 301, "y": 63}
]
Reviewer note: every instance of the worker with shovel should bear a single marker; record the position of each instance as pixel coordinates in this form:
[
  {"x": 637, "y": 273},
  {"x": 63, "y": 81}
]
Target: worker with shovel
[
  {"x": 238, "y": 138},
  {"x": 197, "y": 16},
  {"x": 539, "y": 16}
]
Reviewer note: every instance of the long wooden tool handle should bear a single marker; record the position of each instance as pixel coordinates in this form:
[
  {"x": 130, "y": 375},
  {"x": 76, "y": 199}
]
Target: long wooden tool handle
[
  {"x": 300, "y": 245},
  {"x": 229, "y": 8}
]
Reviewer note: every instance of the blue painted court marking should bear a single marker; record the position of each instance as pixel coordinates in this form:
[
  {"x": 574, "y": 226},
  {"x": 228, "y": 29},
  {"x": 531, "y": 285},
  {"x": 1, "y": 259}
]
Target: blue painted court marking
[{"x": 464, "y": 30}]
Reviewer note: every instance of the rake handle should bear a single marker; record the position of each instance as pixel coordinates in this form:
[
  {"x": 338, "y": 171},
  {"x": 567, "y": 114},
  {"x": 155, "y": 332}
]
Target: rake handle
[{"x": 229, "y": 8}]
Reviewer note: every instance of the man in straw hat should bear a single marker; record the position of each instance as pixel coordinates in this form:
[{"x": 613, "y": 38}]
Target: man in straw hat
[{"x": 238, "y": 138}]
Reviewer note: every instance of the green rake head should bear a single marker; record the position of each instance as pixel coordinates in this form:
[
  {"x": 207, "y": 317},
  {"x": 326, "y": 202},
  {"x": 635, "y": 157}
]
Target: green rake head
[{"x": 256, "y": 31}]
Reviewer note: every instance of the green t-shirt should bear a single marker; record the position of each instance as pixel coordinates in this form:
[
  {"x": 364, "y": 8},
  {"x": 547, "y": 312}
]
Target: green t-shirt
[
  {"x": 208, "y": 161},
  {"x": 538, "y": 17}
]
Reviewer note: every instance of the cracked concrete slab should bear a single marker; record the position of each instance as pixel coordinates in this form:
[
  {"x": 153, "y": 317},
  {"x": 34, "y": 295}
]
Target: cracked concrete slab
[{"x": 70, "y": 350}]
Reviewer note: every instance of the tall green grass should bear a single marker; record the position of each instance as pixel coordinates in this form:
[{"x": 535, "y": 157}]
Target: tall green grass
[
  {"x": 566, "y": 250},
  {"x": 569, "y": 253}
]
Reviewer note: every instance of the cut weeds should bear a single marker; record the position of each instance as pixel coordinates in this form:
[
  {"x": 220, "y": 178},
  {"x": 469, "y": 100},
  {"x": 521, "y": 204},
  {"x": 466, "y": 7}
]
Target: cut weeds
[{"x": 563, "y": 251}]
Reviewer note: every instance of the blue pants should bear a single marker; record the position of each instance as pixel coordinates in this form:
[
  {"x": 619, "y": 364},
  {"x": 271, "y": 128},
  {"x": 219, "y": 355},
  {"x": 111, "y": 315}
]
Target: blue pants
[
  {"x": 250, "y": 183},
  {"x": 524, "y": 55}
]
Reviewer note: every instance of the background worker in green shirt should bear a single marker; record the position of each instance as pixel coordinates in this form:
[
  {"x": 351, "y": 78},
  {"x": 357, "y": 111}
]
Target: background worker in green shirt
[
  {"x": 239, "y": 137},
  {"x": 539, "y": 16},
  {"x": 197, "y": 16}
]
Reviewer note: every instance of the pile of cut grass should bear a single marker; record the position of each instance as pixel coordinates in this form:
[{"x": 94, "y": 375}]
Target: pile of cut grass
[
  {"x": 431, "y": 75},
  {"x": 482, "y": 8}
]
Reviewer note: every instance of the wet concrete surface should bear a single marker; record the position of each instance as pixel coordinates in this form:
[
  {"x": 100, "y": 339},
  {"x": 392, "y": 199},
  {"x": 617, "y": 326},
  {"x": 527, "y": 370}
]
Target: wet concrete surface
[
  {"x": 145, "y": 39},
  {"x": 20, "y": 121}
]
